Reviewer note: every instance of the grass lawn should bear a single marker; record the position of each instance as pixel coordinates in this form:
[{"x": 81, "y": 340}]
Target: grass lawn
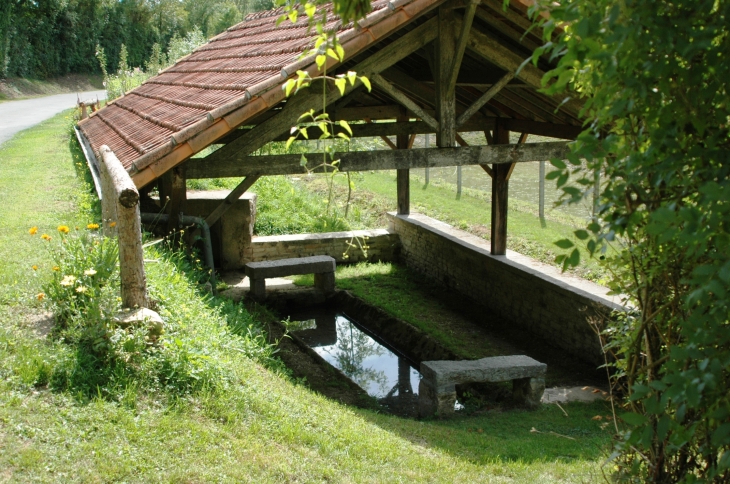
[
  {"x": 261, "y": 427},
  {"x": 376, "y": 192}
]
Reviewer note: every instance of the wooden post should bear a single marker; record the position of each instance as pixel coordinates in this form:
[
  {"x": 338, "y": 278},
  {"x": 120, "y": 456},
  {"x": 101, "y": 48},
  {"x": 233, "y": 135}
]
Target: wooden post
[
  {"x": 596, "y": 190},
  {"x": 403, "y": 176},
  {"x": 108, "y": 204},
  {"x": 500, "y": 193},
  {"x": 458, "y": 182},
  {"x": 178, "y": 197},
  {"x": 427, "y": 144},
  {"x": 122, "y": 191},
  {"x": 542, "y": 190},
  {"x": 445, "y": 97}
]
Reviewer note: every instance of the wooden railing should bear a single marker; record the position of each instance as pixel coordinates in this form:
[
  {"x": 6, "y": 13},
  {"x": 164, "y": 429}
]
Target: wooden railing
[{"x": 120, "y": 217}]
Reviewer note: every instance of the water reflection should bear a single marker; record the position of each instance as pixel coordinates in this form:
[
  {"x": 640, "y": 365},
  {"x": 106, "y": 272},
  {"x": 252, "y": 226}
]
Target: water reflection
[{"x": 374, "y": 367}]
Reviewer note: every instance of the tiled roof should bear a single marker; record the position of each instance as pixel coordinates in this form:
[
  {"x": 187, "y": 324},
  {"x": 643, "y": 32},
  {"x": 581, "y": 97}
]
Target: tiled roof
[{"x": 246, "y": 63}]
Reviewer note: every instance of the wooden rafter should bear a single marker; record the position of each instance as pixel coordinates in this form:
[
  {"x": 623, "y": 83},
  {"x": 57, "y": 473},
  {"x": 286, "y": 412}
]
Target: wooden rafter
[
  {"x": 235, "y": 194},
  {"x": 404, "y": 100},
  {"x": 461, "y": 43},
  {"x": 484, "y": 98}
]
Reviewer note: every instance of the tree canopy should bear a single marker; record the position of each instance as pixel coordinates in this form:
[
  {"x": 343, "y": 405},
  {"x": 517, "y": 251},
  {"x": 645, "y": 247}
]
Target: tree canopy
[
  {"x": 49, "y": 38},
  {"x": 655, "y": 79}
]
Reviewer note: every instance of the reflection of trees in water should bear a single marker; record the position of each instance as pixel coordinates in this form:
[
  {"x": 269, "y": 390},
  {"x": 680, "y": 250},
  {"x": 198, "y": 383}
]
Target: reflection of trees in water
[{"x": 353, "y": 347}]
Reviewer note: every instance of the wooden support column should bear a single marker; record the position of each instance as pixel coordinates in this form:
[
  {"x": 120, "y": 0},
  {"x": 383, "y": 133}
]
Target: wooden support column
[
  {"x": 403, "y": 176},
  {"x": 178, "y": 196},
  {"x": 445, "y": 96},
  {"x": 500, "y": 194},
  {"x": 120, "y": 191},
  {"x": 164, "y": 188}
]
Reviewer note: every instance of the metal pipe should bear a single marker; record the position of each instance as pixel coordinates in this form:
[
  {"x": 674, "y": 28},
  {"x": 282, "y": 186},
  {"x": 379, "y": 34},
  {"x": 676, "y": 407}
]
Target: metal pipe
[{"x": 189, "y": 219}]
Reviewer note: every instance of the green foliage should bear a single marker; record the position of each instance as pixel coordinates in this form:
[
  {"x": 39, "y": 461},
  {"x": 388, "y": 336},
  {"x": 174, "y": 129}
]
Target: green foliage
[
  {"x": 52, "y": 38},
  {"x": 285, "y": 209},
  {"x": 655, "y": 76},
  {"x": 127, "y": 78},
  {"x": 84, "y": 267}
]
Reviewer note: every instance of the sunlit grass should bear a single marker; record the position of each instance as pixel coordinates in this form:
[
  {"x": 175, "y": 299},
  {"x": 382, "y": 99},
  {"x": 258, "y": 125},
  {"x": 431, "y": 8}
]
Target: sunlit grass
[{"x": 263, "y": 428}]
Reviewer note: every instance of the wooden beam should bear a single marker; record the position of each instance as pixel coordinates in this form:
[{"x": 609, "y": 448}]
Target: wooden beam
[
  {"x": 379, "y": 160},
  {"x": 445, "y": 97},
  {"x": 501, "y": 56},
  {"x": 420, "y": 91},
  {"x": 488, "y": 137},
  {"x": 551, "y": 130},
  {"x": 484, "y": 98},
  {"x": 522, "y": 140},
  {"x": 403, "y": 185},
  {"x": 372, "y": 130},
  {"x": 404, "y": 100},
  {"x": 477, "y": 123},
  {"x": 461, "y": 43},
  {"x": 411, "y": 140},
  {"x": 235, "y": 194},
  {"x": 311, "y": 99},
  {"x": 504, "y": 28},
  {"x": 500, "y": 195},
  {"x": 372, "y": 112}
]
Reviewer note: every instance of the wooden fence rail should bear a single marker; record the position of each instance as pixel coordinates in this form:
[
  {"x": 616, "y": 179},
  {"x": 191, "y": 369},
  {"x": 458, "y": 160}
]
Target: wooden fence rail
[{"x": 120, "y": 214}]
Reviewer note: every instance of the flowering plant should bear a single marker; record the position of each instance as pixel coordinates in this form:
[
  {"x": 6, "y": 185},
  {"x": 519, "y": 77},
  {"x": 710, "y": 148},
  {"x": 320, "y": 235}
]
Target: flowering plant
[{"x": 83, "y": 264}]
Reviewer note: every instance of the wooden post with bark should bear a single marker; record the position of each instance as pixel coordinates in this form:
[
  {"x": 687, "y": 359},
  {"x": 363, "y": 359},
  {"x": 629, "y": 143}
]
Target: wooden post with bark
[{"x": 120, "y": 199}]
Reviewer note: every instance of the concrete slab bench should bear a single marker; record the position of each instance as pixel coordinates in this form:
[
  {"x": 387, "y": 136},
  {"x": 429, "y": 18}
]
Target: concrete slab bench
[
  {"x": 322, "y": 266},
  {"x": 437, "y": 390}
]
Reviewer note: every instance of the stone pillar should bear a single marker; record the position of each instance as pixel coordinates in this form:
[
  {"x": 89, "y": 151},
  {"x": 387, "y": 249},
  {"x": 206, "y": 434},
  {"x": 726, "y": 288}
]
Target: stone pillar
[
  {"x": 528, "y": 391},
  {"x": 435, "y": 401}
]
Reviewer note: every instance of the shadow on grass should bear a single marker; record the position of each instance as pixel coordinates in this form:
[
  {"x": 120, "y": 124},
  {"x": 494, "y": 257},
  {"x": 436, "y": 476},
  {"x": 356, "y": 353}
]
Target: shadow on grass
[{"x": 514, "y": 435}]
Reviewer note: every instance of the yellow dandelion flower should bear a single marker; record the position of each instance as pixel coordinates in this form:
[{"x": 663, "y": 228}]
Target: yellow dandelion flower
[
  {"x": 33, "y": 230},
  {"x": 63, "y": 229},
  {"x": 40, "y": 296},
  {"x": 92, "y": 226},
  {"x": 35, "y": 267},
  {"x": 56, "y": 268},
  {"x": 68, "y": 281},
  {"x": 46, "y": 237},
  {"x": 89, "y": 272},
  {"x": 112, "y": 224},
  {"x": 81, "y": 289}
]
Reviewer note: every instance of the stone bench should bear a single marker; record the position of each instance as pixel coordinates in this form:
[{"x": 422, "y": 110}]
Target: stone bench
[
  {"x": 322, "y": 266},
  {"x": 437, "y": 390}
]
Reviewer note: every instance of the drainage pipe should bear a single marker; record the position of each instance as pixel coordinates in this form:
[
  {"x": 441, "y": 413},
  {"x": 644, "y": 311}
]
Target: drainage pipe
[{"x": 151, "y": 218}]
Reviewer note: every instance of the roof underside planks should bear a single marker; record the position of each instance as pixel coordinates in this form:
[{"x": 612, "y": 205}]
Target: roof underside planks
[{"x": 235, "y": 80}]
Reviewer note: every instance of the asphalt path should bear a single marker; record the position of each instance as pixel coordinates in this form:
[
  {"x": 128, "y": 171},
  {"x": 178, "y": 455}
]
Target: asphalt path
[{"x": 16, "y": 116}]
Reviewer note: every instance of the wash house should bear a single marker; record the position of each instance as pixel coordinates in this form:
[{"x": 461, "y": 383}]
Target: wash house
[{"x": 436, "y": 67}]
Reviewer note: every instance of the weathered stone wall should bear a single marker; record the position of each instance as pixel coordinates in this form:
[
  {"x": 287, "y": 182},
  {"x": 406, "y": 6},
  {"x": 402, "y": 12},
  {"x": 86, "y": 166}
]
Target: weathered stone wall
[
  {"x": 231, "y": 235},
  {"x": 515, "y": 289},
  {"x": 234, "y": 243},
  {"x": 382, "y": 245}
]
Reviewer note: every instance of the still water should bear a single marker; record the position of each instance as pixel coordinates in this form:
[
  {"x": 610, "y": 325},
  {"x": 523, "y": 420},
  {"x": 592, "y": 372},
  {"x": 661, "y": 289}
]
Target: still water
[{"x": 343, "y": 344}]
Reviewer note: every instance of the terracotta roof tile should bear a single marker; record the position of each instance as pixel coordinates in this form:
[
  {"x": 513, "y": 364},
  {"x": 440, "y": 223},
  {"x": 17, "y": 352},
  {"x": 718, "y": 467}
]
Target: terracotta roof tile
[{"x": 215, "y": 77}]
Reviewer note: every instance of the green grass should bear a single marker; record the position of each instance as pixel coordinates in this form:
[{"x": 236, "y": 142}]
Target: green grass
[
  {"x": 472, "y": 213},
  {"x": 262, "y": 428},
  {"x": 405, "y": 296}
]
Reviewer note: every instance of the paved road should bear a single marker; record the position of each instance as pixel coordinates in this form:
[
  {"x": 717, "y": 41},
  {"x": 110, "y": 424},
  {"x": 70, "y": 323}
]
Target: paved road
[{"x": 18, "y": 115}]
